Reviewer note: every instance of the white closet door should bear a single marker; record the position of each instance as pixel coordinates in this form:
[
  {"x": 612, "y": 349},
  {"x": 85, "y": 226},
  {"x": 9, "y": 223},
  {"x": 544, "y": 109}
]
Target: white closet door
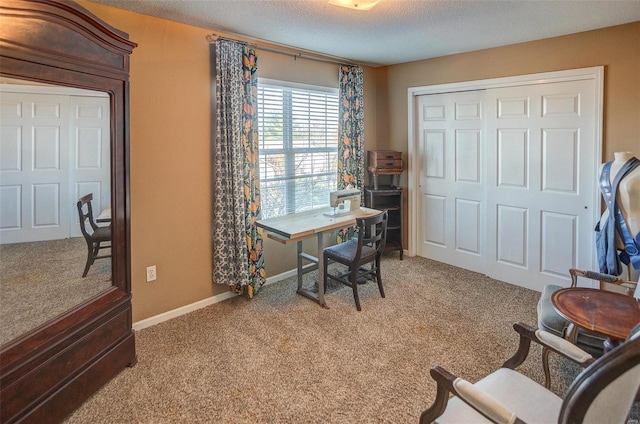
[
  {"x": 507, "y": 180},
  {"x": 34, "y": 156},
  {"x": 541, "y": 180},
  {"x": 451, "y": 179}
]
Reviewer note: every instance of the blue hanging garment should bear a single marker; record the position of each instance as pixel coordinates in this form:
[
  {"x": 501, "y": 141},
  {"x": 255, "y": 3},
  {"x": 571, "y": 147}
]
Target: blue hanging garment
[{"x": 612, "y": 221}]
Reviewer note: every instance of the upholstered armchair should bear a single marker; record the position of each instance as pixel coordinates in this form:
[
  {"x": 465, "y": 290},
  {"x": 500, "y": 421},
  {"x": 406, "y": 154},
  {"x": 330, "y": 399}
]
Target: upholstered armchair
[
  {"x": 549, "y": 319},
  {"x": 603, "y": 392}
]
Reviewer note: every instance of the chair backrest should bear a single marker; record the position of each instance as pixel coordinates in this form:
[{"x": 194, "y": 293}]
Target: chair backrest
[
  {"x": 86, "y": 216},
  {"x": 605, "y": 391},
  {"x": 372, "y": 231}
]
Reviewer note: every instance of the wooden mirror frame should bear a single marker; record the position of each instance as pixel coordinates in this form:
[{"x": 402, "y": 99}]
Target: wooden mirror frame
[{"x": 48, "y": 372}]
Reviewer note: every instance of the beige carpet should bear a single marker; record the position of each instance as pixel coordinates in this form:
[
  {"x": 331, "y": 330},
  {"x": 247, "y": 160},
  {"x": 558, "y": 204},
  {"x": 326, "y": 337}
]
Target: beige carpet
[
  {"x": 281, "y": 358},
  {"x": 41, "y": 280}
]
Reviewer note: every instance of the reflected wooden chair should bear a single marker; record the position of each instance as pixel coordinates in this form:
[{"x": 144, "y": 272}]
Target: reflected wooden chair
[
  {"x": 603, "y": 392},
  {"x": 550, "y": 320},
  {"x": 358, "y": 252},
  {"x": 94, "y": 235}
]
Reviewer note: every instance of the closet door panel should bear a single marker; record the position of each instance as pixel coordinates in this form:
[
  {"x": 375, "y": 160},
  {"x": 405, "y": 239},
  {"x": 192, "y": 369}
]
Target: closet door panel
[
  {"x": 507, "y": 180},
  {"x": 545, "y": 141},
  {"x": 451, "y": 178}
]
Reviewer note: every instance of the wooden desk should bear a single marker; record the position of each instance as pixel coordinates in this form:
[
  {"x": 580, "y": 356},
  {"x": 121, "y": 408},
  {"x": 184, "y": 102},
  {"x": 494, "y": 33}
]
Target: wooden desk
[
  {"x": 299, "y": 226},
  {"x": 607, "y": 313}
]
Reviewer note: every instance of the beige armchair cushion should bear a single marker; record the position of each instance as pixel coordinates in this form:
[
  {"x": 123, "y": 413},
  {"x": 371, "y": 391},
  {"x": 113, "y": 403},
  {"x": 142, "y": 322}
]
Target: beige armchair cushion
[{"x": 506, "y": 387}]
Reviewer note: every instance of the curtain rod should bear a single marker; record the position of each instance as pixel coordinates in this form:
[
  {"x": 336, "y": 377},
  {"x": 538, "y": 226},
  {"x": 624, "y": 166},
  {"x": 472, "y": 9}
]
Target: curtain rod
[{"x": 211, "y": 38}]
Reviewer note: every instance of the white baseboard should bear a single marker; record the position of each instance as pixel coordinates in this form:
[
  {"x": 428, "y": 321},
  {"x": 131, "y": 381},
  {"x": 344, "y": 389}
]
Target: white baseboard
[{"x": 166, "y": 316}]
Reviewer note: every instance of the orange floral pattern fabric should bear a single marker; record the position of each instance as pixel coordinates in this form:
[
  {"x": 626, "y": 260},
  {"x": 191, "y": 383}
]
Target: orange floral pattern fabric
[
  {"x": 237, "y": 242},
  {"x": 350, "y": 131}
]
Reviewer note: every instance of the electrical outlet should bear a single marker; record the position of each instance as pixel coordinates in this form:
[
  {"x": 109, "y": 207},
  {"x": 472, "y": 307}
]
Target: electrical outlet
[{"x": 151, "y": 273}]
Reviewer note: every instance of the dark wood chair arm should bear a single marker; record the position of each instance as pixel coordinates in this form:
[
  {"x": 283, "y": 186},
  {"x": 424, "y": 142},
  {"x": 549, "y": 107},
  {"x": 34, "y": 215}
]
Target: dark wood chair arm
[
  {"x": 529, "y": 334},
  {"x": 445, "y": 385},
  {"x": 444, "y": 380}
]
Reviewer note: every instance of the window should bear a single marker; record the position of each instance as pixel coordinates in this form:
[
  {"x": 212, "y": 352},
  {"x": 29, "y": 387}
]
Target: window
[{"x": 298, "y": 131}]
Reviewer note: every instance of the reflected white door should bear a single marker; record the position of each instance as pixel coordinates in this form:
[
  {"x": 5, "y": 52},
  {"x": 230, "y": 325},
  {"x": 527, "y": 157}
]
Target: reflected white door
[
  {"x": 53, "y": 150},
  {"x": 90, "y": 156},
  {"x": 34, "y": 156},
  {"x": 451, "y": 179},
  {"x": 508, "y": 180}
]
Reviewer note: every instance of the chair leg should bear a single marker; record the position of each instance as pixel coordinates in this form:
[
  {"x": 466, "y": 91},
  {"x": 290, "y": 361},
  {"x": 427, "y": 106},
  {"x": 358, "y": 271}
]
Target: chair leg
[
  {"x": 96, "y": 250},
  {"x": 379, "y": 276},
  {"x": 89, "y": 261},
  {"x": 545, "y": 367},
  {"x": 354, "y": 286}
]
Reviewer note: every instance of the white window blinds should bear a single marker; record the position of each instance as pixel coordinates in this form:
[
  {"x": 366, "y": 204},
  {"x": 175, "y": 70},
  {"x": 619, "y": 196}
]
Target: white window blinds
[{"x": 298, "y": 132}]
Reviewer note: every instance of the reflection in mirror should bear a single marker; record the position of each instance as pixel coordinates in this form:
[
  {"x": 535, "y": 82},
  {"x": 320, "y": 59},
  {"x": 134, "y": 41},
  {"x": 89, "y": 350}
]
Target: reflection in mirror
[{"x": 54, "y": 149}]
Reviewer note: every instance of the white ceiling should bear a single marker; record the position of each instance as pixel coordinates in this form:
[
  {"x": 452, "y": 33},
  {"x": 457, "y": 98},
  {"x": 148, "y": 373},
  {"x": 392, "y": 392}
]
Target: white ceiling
[{"x": 394, "y": 31}]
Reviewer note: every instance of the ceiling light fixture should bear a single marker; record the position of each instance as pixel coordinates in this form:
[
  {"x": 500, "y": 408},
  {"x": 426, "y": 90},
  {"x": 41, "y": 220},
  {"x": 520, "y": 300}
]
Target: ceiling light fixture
[{"x": 355, "y": 4}]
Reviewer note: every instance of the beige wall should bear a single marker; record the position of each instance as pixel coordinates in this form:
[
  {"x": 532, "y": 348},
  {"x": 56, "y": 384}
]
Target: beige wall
[
  {"x": 170, "y": 156},
  {"x": 617, "y": 48},
  {"x": 170, "y": 131}
]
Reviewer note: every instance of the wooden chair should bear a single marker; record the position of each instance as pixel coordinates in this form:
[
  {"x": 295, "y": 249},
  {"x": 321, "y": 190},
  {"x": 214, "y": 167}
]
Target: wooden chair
[
  {"x": 93, "y": 234},
  {"x": 355, "y": 253},
  {"x": 602, "y": 392},
  {"x": 549, "y": 319}
]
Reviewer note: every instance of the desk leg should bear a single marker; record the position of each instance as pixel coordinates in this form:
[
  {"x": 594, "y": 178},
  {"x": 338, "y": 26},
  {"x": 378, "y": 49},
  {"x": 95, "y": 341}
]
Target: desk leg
[
  {"x": 321, "y": 271},
  {"x": 317, "y": 297},
  {"x": 299, "y": 265}
]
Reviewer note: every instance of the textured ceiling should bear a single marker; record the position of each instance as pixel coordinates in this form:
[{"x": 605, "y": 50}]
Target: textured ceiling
[{"x": 394, "y": 31}]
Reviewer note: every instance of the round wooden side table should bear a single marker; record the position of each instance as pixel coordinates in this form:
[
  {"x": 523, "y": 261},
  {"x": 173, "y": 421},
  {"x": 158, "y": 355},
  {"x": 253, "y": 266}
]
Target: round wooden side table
[{"x": 610, "y": 314}]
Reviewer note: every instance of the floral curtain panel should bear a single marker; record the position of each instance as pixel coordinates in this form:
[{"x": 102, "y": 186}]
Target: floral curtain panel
[
  {"x": 237, "y": 242},
  {"x": 350, "y": 130}
]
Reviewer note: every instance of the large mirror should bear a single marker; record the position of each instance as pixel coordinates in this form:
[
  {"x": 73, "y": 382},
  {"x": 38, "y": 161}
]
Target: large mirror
[
  {"x": 54, "y": 149},
  {"x": 65, "y": 134}
]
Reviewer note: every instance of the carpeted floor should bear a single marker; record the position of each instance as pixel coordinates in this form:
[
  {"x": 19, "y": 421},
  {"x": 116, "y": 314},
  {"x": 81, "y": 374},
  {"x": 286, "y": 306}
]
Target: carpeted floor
[
  {"x": 280, "y": 358},
  {"x": 40, "y": 280}
]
